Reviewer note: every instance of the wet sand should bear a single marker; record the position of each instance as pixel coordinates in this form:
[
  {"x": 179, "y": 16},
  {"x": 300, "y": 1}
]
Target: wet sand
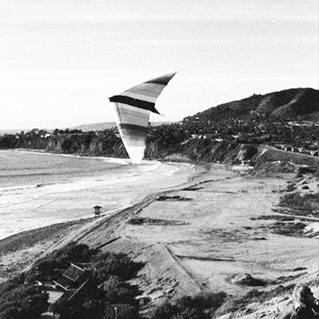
[{"x": 53, "y": 188}]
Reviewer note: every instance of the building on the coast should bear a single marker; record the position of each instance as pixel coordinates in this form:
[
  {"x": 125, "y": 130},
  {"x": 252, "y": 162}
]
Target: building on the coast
[
  {"x": 75, "y": 284},
  {"x": 80, "y": 292},
  {"x": 72, "y": 278},
  {"x": 97, "y": 211}
]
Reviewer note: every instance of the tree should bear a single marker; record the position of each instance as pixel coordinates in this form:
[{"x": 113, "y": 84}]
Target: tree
[
  {"x": 191, "y": 313},
  {"x": 29, "y": 301},
  {"x": 122, "y": 311},
  {"x": 11, "y": 312},
  {"x": 7, "y": 141},
  {"x": 166, "y": 311},
  {"x": 115, "y": 264}
]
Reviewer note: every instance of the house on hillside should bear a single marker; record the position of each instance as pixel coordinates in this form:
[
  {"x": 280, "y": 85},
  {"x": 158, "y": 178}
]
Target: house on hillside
[
  {"x": 75, "y": 284},
  {"x": 81, "y": 292},
  {"x": 72, "y": 278}
]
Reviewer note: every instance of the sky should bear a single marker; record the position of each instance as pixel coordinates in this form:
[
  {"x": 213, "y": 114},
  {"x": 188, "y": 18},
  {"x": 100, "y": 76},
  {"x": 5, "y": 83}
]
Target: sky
[{"x": 60, "y": 60}]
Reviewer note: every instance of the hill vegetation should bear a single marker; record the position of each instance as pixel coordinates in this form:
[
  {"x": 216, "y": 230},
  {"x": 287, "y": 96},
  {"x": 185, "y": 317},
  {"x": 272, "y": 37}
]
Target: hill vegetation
[
  {"x": 294, "y": 104},
  {"x": 216, "y": 134},
  {"x": 274, "y": 119},
  {"x": 232, "y": 133},
  {"x": 26, "y": 295}
]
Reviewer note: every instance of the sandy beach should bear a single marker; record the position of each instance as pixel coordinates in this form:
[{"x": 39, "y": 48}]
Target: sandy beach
[
  {"x": 42, "y": 189},
  {"x": 38, "y": 190},
  {"x": 196, "y": 229}
]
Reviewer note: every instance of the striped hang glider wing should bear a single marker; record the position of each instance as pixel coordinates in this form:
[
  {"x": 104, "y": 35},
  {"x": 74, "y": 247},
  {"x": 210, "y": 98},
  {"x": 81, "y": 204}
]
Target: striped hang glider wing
[{"x": 133, "y": 108}]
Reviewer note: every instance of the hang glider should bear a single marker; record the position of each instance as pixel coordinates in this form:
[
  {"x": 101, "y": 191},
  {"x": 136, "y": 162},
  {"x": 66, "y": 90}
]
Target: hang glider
[{"x": 133, "y": 108}]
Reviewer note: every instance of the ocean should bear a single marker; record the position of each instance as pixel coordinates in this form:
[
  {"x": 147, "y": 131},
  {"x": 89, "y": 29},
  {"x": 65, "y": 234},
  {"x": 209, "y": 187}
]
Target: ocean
[{"x": 38, "y": 189}]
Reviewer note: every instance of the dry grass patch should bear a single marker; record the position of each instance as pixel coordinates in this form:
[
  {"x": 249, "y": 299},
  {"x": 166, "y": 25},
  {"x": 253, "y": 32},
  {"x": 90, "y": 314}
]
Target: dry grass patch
[{"x": 155, "y": 222}]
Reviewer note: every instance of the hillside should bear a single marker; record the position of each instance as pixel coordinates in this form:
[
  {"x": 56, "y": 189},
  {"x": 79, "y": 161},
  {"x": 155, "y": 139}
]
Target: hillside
[
  {"x": 225, "y": 232},
  {"x": 295, "y": 104},
  {"x": 94, "y": 126},
  {"x": 230, "y": 230},
  {"x": 104, "y": 126}
]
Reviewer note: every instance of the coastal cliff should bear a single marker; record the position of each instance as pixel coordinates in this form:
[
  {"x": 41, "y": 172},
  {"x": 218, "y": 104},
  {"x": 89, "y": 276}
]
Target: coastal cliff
[{"x": 285, "y": 120}]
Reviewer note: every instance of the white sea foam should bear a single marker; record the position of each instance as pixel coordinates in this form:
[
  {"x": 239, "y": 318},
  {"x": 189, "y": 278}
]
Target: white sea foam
[{"x": 16, "y": 188}]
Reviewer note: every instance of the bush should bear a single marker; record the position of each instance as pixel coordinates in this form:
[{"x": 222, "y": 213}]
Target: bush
[
  {"x": 92, "y": 309},
  {"x": 115, "y": 264},
  {"x": 88, "y": 308},
  {"x": 53, "y": 265},
  {"x": 200, "y": 306},
  {"x": 124, "y": 311},
  {"x": 73, "y": 252},
  {"x": 67, "y": 310},
  {"x": 191, "y": 314},
  {"x": 11, "y": 312},
  {"x": 29, "y": 301},
  {"x": 166, "y": 311},
  {"x": 118, "y": 291},
  {"x": 231, "y": 304},
  {"x": 12, "y": 283},
  {"x": 296, "y": 201},
  {"x": 208, "y": 300}
]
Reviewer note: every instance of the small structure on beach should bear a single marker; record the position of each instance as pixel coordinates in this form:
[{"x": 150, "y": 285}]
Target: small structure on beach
[{"x": 97, "y": 211}]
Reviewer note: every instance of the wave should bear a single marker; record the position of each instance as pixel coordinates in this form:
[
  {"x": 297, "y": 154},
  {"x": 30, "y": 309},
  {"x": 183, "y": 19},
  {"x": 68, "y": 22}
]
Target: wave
[
  {"x": 69, "y": 189},
  {"x": 20, "y": 187}
]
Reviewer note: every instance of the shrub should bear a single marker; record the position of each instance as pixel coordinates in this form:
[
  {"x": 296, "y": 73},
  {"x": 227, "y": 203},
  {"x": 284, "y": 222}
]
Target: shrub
[
  {"x": 123, "y": 311},
  {"x": 166, "y": 311},
  {"x": 51, "y": 266},
  {"x": 12, "y": 283},
  {"x": 73, "y": 252},
  {"x": 30, "y": 302},
  {"x": 67, "y": 310},
  {"x": 11, "y": 312},
  {"x": 209, "y": 300},
  {"x": 193, "y": 307},
  {"x": 296, "y": 201},
  {"x": 115, "y": 264},
  {"x": 231, "y": 304},
  {"x": 191, "y": 314},
  {"x": 118, "y": 291}
]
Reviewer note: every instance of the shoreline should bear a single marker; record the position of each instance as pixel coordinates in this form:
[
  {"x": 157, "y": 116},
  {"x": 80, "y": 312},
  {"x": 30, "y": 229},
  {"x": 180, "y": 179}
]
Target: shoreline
[
  {"x": 110, "y": 159},
  {"x": 67, "y": 188},
  {"x": 17, "y": 250}
]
